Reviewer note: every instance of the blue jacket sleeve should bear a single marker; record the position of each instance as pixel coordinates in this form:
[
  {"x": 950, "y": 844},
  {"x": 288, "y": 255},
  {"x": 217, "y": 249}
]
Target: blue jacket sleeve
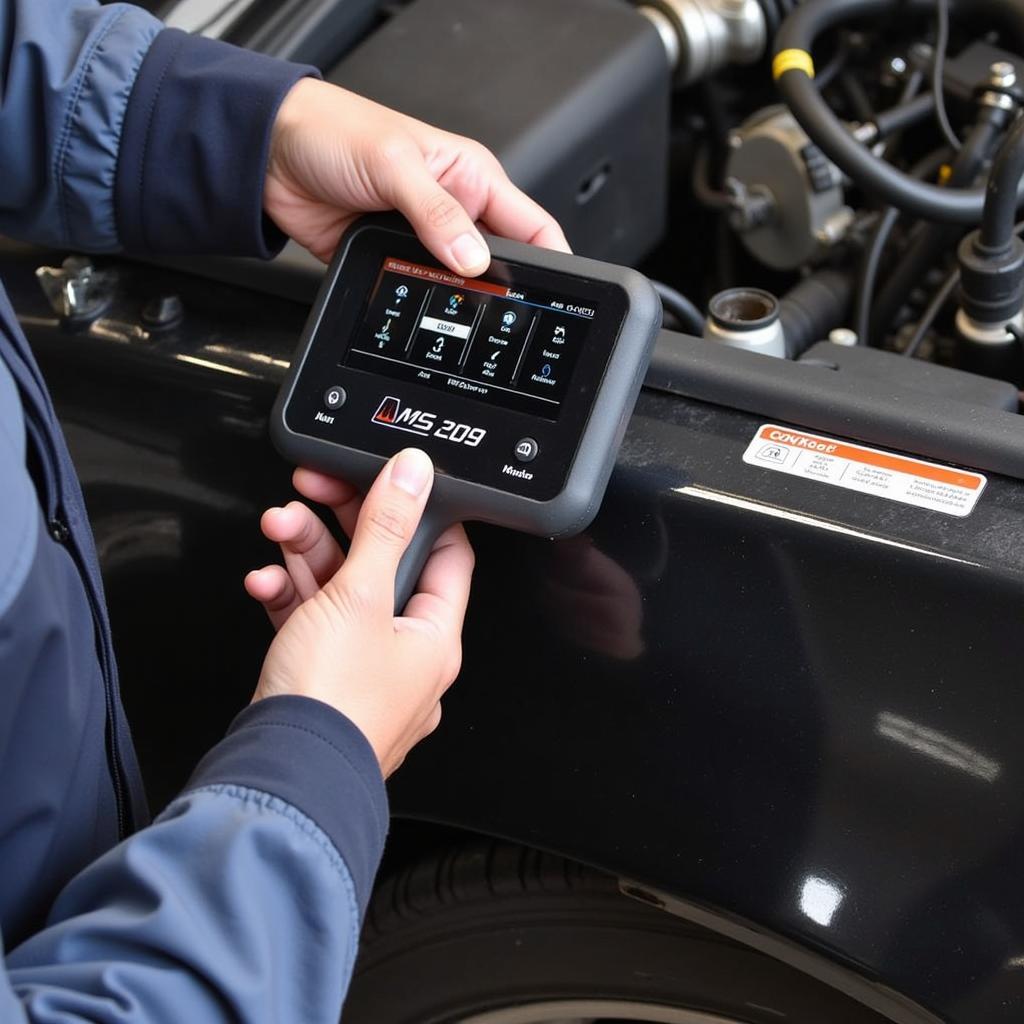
[
  {"x": 118, "y": 133},
  {"x": 240, "y": 903}
]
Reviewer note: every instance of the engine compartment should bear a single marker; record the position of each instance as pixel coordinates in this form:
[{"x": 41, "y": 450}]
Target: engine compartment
[
  {"x": 738, "y": 688},
  {"x": 834, "y": 233}
]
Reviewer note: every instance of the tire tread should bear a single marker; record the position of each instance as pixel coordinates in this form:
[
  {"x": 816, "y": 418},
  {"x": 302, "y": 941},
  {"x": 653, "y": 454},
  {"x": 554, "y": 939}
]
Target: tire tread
[{"x": 483, "y": 870}]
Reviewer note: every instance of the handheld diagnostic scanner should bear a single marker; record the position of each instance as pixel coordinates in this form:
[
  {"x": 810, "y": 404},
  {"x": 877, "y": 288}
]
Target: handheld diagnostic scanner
[{"x": 518, "y": 384}]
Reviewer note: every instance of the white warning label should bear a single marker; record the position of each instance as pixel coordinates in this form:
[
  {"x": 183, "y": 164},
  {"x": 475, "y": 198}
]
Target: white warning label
[{"x": 842, "y": 464}]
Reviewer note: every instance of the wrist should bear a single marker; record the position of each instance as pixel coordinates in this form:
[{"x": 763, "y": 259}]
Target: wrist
[
  {"x": 359, "y": 718},
  {"x": 289, "y": 115}
]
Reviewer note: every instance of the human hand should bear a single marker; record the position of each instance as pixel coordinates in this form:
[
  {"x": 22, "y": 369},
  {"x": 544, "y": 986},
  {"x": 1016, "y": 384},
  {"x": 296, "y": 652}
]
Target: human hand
[
  {"x": 335, "y": 155},
  {"x": 338, "y": 639}
]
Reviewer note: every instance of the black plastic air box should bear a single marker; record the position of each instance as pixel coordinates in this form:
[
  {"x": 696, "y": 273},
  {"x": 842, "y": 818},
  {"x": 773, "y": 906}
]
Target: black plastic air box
[{"x": 572, "y": 96}]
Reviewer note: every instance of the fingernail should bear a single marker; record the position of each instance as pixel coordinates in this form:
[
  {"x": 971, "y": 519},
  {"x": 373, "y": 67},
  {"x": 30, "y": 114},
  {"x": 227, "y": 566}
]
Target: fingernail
[
  {"x": 470, "y": 253},
  {"x": 412, "y": 470}
]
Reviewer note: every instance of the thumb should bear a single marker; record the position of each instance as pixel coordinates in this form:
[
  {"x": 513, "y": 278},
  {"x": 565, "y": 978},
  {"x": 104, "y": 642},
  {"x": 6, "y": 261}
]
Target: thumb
[
  {"x": 387, "y": 522},
  {"x": 440, "y": 220}
]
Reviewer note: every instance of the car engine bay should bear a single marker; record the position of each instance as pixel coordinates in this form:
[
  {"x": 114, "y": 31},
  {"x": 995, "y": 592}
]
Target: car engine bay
[
  {"x": 857, "y": 225},
  {"x": 781, "y": 712}
]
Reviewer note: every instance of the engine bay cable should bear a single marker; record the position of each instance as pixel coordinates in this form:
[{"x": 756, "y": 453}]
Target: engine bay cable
[
  {"x": 932, "y": 310},
  {"x": 678, "y": 305},
  {"x": 930, "y": 240},
  {"x": 938, "y": 64},
  {"x": 869, "y": 273},
  {"x": 939, "y": 299},
  {"x": 925, "y": 168},
  {"x": 793, "y": 69},
  {"x": 997, "y": 225}
]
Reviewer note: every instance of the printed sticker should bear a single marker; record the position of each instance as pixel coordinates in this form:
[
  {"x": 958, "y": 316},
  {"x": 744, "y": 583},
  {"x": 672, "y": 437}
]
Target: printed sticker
[{"x": 868, "y": 470}]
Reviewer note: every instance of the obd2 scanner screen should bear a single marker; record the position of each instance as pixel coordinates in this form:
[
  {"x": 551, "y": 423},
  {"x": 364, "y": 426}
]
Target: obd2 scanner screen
[{"x": 518, "y": 384}]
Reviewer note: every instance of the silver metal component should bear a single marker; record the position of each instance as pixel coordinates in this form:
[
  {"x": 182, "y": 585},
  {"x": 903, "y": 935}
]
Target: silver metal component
[
  {"x": 921, "y": 54},
  {"x": 1001, "y": 100},
  {"x": 666, "y": 29},
  {"x": 746, "y": 318},
  {"x": 843, "y": 336},
  {"x": 710, "y": 34},
  {"x": 749, "y": 207},
  {"x": 1002, "y": 74},
  {"x": 210, "y": 18},
  {"x": 992, "y": 335},
  {"x": 835, "y": 227},
  {"x": 898, "y": 66},
  {"x": 775, "y": 157},
  {"x": 865, "y": 133},
  {"x": 76, "y": 291}
]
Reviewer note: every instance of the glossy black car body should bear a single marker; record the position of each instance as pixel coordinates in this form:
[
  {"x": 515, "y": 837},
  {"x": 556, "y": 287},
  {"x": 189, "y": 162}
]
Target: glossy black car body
[{"x": 787, "y": 711}]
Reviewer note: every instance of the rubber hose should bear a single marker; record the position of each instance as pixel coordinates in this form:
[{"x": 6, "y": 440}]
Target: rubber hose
[
  {"x": 675, "y": 302},
  {"x": 933, "y": 240},
  {"x": 929, "y": 202},
  {"x": 772, "y": 17},
  {"x": 1001, "y": 192},
  {"x": 869, "y": 273},
  {"x": 925, "y": 168},
  {"x": 895, "y": 119},
  {"x": 856, "y": 96},
  {"x": 810, "y": 309}
]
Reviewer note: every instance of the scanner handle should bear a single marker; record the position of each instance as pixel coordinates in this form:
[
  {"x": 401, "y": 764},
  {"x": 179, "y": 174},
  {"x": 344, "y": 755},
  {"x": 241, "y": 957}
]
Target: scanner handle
[{"x": 434, "y": 522}]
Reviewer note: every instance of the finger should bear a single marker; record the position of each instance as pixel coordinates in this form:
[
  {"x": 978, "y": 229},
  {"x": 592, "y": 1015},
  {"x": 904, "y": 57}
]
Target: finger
[
  {"x": 443, "y": 589},
  {"x": 479, "y": 182},
  {"x": 432, "y": 721},
  {"x": 343, "y": 498},
  {"x": 439, "y": 219},
  {"x": 311, "y": 554},
  {"x": 511, "y": 213},
  {"x": 273, "y": 588},
  {"x": 321, "y": 487},
  {"x": 387, "y": 522}
]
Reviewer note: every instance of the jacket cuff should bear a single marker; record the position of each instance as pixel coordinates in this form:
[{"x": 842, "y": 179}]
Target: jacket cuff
[
  {"x": 195, "y": 146},
  {"x": 312, "y": 757}
]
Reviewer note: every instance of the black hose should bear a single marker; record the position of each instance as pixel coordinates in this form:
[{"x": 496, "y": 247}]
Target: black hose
[
  {"x": 933, "y": 240},
  {"x": 904, "y": 115},
  {"x": 925, "y": 168},
  {"x": 938, "y": 62},
  {"x": 856, "y": 96},
  {"x": 911, "y": 87},
  {"x": 772, "y": 17},
  {"x": 939, "y": 299},
  {"x": 810, "y": 309},
  {"x": 823, "y": 79},
  {"x": 930, "y": 202},
  {"x": 675, "y": 302},
  {"x": 869, "y": 273},
  {"x": 1001, "y": 193},
  {"x": 704, "y": 192}
]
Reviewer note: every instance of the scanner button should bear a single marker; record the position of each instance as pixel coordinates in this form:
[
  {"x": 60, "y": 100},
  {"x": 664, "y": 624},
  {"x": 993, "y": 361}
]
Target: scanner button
[
  {"x": 526, "y": 449},
  {"x": 334, "y": 397}
]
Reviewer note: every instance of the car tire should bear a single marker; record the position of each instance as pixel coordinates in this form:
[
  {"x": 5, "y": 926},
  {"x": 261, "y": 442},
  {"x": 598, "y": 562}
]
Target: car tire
[{"x": 491, "y": 933}]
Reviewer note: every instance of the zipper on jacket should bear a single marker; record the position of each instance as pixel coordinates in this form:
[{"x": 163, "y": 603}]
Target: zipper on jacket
[
  {"x": 59, "y": 530},
  {"x": 114, "y": 762}
]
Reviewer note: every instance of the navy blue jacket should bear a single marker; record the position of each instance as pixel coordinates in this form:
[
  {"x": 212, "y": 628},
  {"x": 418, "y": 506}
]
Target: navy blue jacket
[{"x": 242, "y": 901}]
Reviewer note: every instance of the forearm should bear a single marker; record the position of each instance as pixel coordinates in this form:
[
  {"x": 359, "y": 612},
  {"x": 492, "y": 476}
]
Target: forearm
[
  {"x": 66, "y": 72},
  {"x": 237, "y": 904},
  {"x": 120, "y": 134}
]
